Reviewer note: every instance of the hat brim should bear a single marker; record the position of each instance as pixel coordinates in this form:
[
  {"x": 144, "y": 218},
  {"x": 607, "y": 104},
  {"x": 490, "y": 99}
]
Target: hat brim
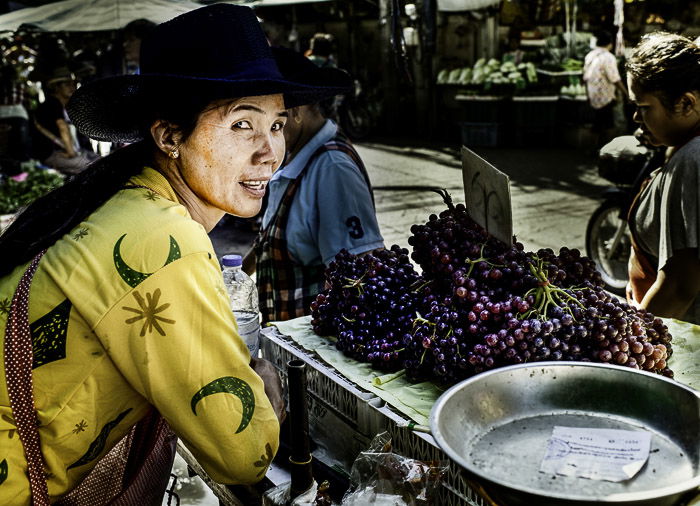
[
  {"x": 299, "y": 69},
  {"x": 114, "y": 108}
]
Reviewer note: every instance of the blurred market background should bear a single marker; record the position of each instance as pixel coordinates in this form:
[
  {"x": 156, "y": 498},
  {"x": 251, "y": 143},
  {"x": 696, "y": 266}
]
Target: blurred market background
[{"x": 501, "y": 77}]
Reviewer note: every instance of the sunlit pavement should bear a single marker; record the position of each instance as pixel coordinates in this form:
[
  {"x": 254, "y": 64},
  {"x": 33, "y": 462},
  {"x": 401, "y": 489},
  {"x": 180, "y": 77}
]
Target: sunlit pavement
[{"x": 554, "y": 191}]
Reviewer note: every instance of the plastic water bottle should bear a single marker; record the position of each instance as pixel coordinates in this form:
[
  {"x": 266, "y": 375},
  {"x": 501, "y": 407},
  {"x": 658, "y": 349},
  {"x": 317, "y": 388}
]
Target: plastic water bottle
[{"x": 243, "y": 295}]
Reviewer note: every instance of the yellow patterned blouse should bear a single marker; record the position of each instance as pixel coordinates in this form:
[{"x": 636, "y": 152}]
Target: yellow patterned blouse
[{"x": 129, "y": 310}]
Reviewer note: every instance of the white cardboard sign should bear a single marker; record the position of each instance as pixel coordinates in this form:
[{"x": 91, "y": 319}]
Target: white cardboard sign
[{"x": 487, "y": 196}]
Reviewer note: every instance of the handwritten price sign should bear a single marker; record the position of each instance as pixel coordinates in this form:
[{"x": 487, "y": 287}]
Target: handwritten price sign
[{"x": 487, "y": 196}]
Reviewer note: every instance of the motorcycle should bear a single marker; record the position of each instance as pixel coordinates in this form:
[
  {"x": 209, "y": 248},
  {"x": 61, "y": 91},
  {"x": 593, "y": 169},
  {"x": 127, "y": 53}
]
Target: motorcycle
[
  {"x": 626, "y": 163},
  {"x": 359, "y": 111}
]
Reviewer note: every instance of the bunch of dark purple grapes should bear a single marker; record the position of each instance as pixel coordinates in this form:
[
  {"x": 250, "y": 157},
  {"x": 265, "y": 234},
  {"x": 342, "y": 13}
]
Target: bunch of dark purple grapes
[
  {"x": 450, "y": 344},
  {"x": 480, "y": 304},
  {"x": 369, "y": 305}
]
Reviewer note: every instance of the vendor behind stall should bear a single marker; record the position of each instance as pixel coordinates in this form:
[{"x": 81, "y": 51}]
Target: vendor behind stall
[
  {"x": 125, "y": 316},
  {"x": 320, "y": 201},
  {"x": 664, "y": 267}
]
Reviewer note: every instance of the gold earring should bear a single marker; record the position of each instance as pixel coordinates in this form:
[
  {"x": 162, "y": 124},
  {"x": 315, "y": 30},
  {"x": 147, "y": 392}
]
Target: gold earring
[
  {"x": 174, "y": 153},
  {"x": 297, "y": 119}
]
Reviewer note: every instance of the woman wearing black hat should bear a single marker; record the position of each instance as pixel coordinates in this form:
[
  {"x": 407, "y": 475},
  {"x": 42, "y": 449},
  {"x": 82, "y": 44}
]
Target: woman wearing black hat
[
  {"x": 319, "y": 203},
  {"x": 125, "y": 317}
]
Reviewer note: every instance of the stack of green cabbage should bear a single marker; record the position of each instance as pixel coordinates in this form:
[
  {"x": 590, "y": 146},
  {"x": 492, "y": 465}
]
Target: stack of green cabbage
[{"x": 490, "y": 74}]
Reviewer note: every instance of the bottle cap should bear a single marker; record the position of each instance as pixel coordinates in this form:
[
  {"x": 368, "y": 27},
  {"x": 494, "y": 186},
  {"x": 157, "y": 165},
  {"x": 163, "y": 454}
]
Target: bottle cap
[{"x": 232, "y": 260}]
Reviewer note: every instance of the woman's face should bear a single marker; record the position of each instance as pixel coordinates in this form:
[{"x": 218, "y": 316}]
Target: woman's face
[
  {"x": 230, "y": 156},
  {"x": 661, "y": 126}
]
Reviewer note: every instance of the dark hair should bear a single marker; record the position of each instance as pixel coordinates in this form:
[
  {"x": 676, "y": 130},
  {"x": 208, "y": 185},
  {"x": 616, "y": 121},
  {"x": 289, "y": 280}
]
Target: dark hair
[
  {"x": 603, "y": 38},
  {"x": 321, "y": 44},
  {"x": 138, "y": 28},
  {"x": 55, "y": 214},
  {"x": 667, "y": 64}
]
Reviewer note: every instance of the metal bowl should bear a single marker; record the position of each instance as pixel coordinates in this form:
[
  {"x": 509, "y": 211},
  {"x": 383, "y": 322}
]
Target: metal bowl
[{"x": 496, "y": 426}]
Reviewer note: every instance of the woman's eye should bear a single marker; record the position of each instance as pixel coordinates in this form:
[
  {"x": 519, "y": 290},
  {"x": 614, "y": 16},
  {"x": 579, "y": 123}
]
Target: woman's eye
[
  {"x": 244, "y": 125},
  {"x": 277, "y": 126}
]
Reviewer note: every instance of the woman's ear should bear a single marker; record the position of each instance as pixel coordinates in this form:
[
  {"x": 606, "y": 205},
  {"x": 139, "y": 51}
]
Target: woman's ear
[{"x": 166, "y": 138}]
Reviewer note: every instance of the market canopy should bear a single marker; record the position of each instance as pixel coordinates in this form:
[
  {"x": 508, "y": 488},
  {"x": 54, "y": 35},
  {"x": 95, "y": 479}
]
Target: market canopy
[
  {"x": 465, "y": 5},
  {"x": 95, "y": 15}
]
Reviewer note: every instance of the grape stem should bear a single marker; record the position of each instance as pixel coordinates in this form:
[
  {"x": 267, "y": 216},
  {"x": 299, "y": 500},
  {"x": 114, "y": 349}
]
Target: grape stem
[
  {"x": 546, "y": 294},
  {"x": 358, "y": 282},
  {"x": 445, "y": 197},
  {"x": 423, "y": 285},
  {"x": 481, "y": 258}
]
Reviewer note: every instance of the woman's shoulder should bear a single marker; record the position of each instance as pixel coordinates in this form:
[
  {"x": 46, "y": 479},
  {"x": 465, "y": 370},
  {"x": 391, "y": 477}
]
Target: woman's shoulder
[{"x": 147, "y": 216}]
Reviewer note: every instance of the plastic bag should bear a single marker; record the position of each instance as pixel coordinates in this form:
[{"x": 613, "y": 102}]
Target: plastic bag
[
  {"x": 382, "y": 478},
  {"x": 281, "y": 494}
]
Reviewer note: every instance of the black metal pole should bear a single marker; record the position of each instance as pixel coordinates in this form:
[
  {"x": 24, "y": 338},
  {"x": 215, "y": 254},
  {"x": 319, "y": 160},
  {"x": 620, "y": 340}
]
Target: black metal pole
[{"x": 300, "y": 455}]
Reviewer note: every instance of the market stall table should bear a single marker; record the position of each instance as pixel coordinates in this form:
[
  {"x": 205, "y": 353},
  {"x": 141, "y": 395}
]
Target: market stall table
[
  {"x": 349, "y": 403},
  {"x": 352, "y": 402}
]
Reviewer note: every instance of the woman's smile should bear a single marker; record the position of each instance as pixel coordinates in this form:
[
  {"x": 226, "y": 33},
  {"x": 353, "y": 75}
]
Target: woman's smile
[{"x": 255, "y": 187}]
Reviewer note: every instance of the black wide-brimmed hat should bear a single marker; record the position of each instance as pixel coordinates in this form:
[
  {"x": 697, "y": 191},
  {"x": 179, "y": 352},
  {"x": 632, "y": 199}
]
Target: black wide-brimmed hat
[
  {"x": 219, "y": 47},
  {"x": 298, "y": 68}
]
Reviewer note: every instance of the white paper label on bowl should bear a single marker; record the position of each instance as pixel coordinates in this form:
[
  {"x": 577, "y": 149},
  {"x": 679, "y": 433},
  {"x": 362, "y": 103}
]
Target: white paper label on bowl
[{"x": 596, "y": 454}]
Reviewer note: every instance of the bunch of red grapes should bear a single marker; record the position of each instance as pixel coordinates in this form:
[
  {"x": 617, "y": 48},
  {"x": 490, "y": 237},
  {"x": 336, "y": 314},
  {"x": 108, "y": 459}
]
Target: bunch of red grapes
[{"x": 479, "y": 304}]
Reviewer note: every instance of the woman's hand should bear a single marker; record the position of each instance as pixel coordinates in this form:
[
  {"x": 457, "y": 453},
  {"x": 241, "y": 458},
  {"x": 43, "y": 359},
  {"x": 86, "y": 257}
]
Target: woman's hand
[{"x": 273, "y": 385}]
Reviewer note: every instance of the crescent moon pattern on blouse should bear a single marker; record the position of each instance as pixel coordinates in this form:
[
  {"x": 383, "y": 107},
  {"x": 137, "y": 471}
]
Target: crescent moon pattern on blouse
[
  {"x": 133, "y": 277},
  {"x": 229, "y": 385}
]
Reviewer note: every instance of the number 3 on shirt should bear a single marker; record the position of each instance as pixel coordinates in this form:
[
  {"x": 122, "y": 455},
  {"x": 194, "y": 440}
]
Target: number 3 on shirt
[{"x": 355, "y": 225}]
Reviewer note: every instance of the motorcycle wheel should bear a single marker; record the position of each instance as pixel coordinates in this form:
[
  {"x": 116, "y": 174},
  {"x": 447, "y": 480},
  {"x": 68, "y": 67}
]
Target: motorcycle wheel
[
  {"x": 602, "y": 228},
  {"x": 355, "y": 120}
]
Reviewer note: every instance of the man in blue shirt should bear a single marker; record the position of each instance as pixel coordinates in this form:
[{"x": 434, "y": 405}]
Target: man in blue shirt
[{"x": 320, "y": 202}]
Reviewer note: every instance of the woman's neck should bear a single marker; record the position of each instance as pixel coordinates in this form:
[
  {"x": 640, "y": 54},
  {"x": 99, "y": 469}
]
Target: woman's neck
[{"x": 204, "y": 214}]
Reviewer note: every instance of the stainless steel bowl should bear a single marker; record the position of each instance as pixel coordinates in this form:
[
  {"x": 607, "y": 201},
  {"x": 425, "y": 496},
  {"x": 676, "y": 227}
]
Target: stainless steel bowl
[{"x": 496, "y": 426}]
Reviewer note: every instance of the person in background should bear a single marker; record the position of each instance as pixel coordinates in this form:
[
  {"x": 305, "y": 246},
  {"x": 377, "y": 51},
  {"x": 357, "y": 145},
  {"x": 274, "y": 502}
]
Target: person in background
[
  {"x": 15, "y": 143},
  {"x": 602, "y": 78},
  {"x": 513, "y": 53},
  {"x": 133, "y": 34},
  {"x": 319, "y": 202},
  {"x": 320, "y": 50},
  {"x": 56, "y": 142},
  {"x": 127, "y": 310},
  {"x": 664, "y": 268}
]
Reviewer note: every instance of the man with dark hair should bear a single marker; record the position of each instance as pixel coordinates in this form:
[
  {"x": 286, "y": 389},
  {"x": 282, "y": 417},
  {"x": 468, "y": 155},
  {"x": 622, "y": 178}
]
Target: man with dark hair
[
  {"x": 602, "y": 79},
  {"x": 320, "y": 49},
  {"x": 133, "y": 34},
  {"x": 320, "y": 200}
]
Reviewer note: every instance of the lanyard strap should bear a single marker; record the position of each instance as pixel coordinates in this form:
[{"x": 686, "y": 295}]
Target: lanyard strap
[{"x": 18, "y": 374}]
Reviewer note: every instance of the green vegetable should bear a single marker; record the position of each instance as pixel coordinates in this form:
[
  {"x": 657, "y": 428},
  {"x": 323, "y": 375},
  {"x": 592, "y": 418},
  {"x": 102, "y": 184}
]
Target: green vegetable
[{"x": 16, "y": 194}]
